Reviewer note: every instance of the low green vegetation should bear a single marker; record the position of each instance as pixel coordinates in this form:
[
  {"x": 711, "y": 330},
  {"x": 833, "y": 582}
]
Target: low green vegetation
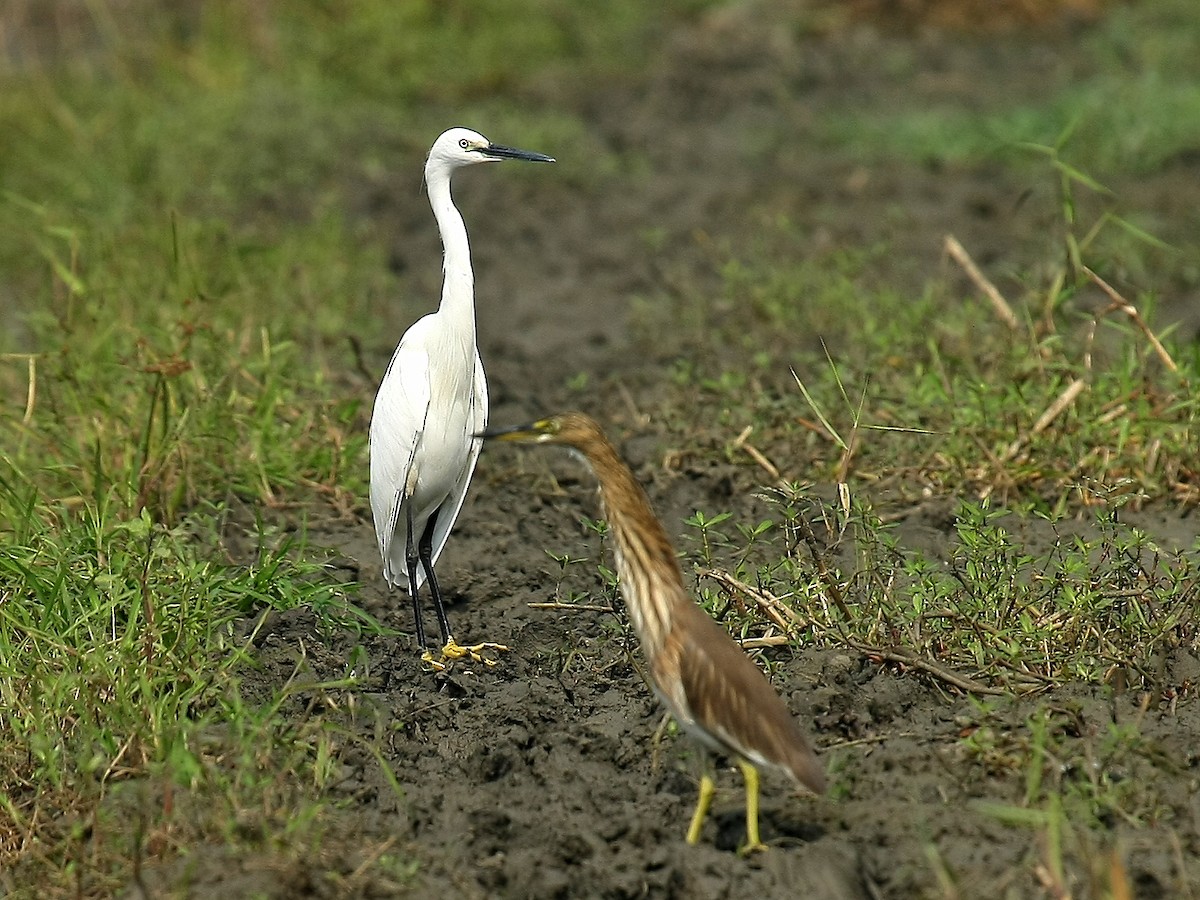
[
  {"x": 1135, "y": 103},
  {"x": 179, "y": 272},
  {"x": 1036, "y": 431},
  {"x": 1034, "y": 427}
]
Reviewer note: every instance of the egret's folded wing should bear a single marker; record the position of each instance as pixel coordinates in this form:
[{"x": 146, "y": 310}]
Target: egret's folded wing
[
  {"x": 397, "y": 421},
  {"x": 477, "y": 416}
]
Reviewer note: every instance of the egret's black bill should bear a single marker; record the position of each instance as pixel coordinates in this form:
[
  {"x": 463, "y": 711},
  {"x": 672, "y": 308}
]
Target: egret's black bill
[{"x": 501, "y": 152}]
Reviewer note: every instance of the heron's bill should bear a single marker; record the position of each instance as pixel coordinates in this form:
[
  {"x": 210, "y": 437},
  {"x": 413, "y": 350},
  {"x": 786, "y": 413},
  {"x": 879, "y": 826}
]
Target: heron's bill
[{"x": 531, "y": 432}]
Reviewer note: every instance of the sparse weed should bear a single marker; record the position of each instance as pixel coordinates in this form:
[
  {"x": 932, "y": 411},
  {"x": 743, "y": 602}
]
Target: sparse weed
[
  {"x": 1136, "y": 112},
  {"x": 1052, "y": 421}
]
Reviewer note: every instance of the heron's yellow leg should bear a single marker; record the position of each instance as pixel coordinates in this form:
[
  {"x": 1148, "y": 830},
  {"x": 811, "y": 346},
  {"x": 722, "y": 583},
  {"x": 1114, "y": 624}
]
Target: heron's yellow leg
[
  {"x": 453, "y": 650},
  {"x": 753, "y": 844},
  {"x": 703, "y": 802}
]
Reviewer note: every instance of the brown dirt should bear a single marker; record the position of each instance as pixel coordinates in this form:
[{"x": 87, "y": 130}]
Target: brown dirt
[{"x": 541, "y": 777}]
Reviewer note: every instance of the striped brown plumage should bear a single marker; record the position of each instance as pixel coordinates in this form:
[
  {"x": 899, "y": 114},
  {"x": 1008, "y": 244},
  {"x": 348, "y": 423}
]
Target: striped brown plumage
[{"x": 715, "y": 692}]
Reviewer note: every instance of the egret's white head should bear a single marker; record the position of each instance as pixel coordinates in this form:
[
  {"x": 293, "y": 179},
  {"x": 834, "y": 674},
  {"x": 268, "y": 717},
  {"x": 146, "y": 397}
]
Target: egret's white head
[{"x": 464, "y": 147}]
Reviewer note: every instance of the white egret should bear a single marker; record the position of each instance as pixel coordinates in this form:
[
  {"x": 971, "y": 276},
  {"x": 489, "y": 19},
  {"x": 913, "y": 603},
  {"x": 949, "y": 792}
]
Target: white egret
[{"x": 431, "y": 403}]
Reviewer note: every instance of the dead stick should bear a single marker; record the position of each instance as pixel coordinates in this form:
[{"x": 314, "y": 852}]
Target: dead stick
[
  {"x": 583, "y": 607},
  {"x": 872, "y": 739},
  {"x": 774, "y": 640},
  {"x": 1065, "y": 399},
  {"x": 999, "y": 304},
  {"x": 371, "y": 859},
  {"x": 917, "y": 662},
  {"x": 768, "y": 602},
  {"x": 1130, "y": 310},
  {"x": 1053, "y": 411},
  {"x": 740, "y": 443},
  {"x": 831, "y": 585}
]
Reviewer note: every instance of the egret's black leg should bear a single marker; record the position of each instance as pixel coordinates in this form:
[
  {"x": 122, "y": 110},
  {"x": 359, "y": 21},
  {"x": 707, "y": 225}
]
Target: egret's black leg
[
  {"x": 411, "y": 558},
  {"x": 425, "y": 550},
  {"x": 450, "y": 649}
]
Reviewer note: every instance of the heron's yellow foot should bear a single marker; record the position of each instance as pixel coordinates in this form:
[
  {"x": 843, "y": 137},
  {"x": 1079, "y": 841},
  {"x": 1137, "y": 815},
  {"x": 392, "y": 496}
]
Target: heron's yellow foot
[
  {"x": 749, "y": 849},
  {"x": 454, "y": 650},
  {"x": 703, "y": 802},
  {"x": 753, "y": 843}
]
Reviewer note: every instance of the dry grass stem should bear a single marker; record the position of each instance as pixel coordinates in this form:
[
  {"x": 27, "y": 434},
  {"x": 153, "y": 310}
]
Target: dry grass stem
[
  {"x": 775, "y": 609},
  {"x": 832, "y": 589},
  {"x": 31, "y": 391},
  {"x": 1120, "y": 303},
  {"x": 999, "y": 304},
  {"x": 371, "y": 859},
  {"x": 1065, "y": 399},
  {"x": 635, "y": 414},
  {"x": 741, "y": 443},
  {"x": 769, "y": 640},
  {"x": 871, "y": 739},
  {"x": 1118, "y": 880},
  {"x": 907, "y": 658},
  {"x": 573, "y": 607},
  {"x": 1068, "y": 396}
]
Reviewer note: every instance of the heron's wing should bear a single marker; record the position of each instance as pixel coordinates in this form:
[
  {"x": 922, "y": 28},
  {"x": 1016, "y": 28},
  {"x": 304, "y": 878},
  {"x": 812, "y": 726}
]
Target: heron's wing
[
  {"x": 397, "y": 421},
  {"x": 734, "y": 706},
  {"x": 477, "y": 416}
]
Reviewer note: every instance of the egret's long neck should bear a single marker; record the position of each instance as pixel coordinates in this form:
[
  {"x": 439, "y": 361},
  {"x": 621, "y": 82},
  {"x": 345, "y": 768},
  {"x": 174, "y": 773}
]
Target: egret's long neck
[{"x": 458, "y": 282}]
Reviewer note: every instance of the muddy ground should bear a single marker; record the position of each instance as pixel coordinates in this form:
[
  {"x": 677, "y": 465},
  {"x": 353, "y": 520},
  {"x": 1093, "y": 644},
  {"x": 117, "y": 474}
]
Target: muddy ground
[{"x": 539, "y": 777}]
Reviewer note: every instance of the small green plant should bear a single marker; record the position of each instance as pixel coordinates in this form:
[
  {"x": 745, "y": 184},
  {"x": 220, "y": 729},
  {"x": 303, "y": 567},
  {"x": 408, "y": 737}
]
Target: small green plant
[
  {"x": 564, "y": 561},
  {"x": 710, "y": 536}
]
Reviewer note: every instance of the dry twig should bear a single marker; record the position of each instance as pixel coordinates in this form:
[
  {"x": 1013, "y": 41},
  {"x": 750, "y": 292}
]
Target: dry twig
[
  {"x": 767, "y": 640},
  {"x": 904, "y": 657},
  {"x": 31, "y": 391},
  {"x": 741, "y": 443},
  {"x": 831, "y": 586},
  {"x": 573, "y": 607},
  {"x": 1120, "y": 303},
  {"x": 775, "y": 609},
  {"x": 999, "y": 304},
  {"x": 1052, "y": 412}
]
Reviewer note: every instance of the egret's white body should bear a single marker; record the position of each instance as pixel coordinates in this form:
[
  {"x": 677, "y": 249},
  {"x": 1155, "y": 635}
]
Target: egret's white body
[{"x": 433, "y": 398}]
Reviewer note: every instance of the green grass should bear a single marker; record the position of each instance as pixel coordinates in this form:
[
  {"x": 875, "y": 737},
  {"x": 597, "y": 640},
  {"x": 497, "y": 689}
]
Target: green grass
[
  {"x": 1040, "y": 441},
  {"x": 936, "y": 392},
  {"x": 181, "y": 271},
  {"x": 1012, "y": 615},
  {"x": 1044, "y": 439},
  {"x": 1135, "y": 102},
  {"x": 1059, "y": 417},
  {"x": 120, "y": 662}
]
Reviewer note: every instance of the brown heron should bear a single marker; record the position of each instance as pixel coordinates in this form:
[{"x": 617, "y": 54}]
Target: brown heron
[{"x": 711, "y": 687}]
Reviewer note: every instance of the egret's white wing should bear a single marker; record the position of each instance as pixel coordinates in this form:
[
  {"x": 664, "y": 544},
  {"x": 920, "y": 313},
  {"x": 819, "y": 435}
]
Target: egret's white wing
[
  {"x": 477, "y": 416},
  {"x": 397, "y": 423}
]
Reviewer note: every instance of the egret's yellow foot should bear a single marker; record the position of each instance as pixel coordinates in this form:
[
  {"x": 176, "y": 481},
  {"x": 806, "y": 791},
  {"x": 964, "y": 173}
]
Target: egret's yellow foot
[
  {"x": 454, "y": 650},
  {"x": 753, "y": 843},
  {"x": 703, "y": 802},
  {"x": 435, "y": 665}
]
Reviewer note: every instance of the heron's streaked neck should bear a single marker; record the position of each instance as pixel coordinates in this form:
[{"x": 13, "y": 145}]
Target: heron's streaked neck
[
  {"x": 458, "y": 283},
  {"x": 650, "y": 575}
]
